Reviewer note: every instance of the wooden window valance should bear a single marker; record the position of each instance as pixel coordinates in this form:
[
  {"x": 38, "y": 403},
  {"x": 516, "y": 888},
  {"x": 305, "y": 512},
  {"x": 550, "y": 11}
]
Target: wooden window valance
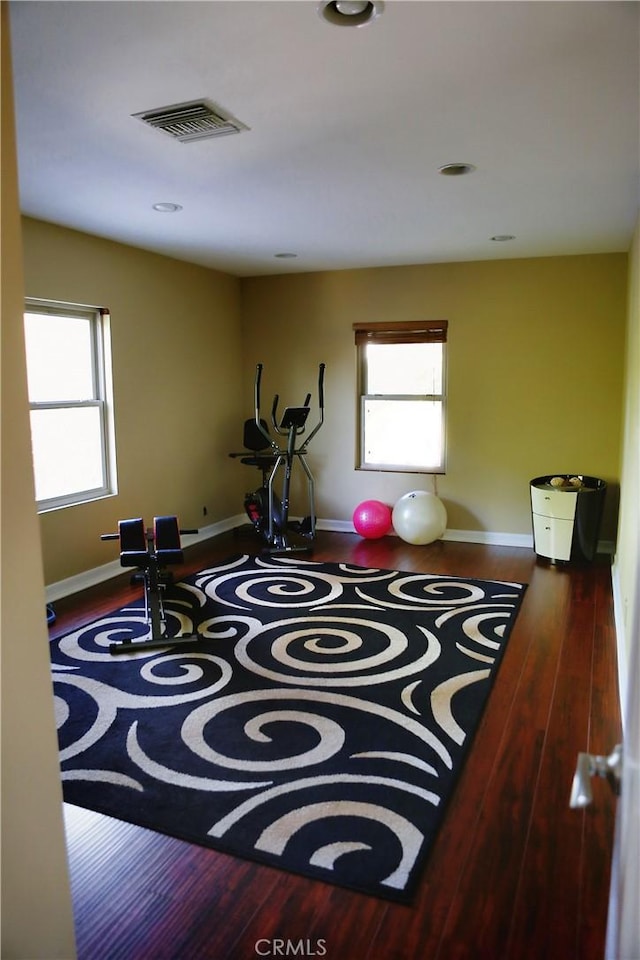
[{"x": 408, "y": 331}]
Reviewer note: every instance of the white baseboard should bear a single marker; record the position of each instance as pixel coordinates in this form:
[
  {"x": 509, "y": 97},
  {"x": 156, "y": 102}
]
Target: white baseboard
[
  {"x": 64, "y": 588},
  {"x": 460, "y": 536},
  {"x": 336, "y": 526},
  {"x": 498, "y": 539}
]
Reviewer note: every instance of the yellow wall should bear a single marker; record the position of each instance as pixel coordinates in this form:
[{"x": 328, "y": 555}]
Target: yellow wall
[
  {"x": 535, "y": 374},
  {"x": 37, "y": 920},
  {"x": 175, "y": 332}
]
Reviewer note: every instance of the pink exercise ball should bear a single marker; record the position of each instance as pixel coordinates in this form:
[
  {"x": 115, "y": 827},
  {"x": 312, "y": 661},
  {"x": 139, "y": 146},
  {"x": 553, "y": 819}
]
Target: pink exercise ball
[{"x": 372, "y": 519}]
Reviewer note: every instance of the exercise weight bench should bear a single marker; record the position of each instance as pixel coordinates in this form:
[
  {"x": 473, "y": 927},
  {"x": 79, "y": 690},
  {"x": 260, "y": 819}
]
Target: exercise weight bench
[{"x": 150, "y": 552}]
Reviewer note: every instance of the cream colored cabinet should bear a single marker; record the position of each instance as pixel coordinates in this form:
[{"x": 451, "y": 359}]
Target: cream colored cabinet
[{"x": 566, "y": 511}]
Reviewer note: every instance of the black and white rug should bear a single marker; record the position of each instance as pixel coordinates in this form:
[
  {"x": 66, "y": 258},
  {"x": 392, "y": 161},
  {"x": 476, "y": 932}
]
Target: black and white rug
[{"x": 318, "y": 726}]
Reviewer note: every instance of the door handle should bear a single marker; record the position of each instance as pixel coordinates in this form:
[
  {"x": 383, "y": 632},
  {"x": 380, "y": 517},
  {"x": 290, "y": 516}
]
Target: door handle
[{"x": 591, "y": 765}]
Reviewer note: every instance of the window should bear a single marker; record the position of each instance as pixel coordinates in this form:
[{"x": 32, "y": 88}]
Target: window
[
  {"x": 69, "y": 380},
  {"x": 402, "y": 395}
]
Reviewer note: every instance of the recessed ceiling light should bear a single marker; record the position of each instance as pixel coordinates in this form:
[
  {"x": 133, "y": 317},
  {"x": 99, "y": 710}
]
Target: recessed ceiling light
[
  {"x": 501, "y": 237},
  {"x": 350, "y": 13},
  {"x": 456, "y": 169},
  {"x": 167, "y": 207},
  {"x": 286, "y": 256}
]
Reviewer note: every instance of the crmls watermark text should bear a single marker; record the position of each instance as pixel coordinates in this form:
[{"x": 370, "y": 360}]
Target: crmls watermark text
[{"x": 291, "y": 948}]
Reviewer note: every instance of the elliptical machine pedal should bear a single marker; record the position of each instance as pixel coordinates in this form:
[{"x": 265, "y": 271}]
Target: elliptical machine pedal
[{"x": 306, "y": 527}]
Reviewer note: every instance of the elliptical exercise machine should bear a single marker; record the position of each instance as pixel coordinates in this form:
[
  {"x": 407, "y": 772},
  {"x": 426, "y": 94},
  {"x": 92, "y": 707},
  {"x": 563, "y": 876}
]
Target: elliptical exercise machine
[
  {"x": 150, "y": 552},
  {"x": 268, "y": 513}
]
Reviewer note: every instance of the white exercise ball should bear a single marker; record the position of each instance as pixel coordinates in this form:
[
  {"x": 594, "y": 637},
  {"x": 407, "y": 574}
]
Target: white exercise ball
[{"x": 419, "y": 517}]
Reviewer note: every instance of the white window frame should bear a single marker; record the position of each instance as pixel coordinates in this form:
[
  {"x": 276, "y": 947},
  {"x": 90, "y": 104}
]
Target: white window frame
[
  {"x": 102, "y": 398},
  {"x": 393, "y": 333}
]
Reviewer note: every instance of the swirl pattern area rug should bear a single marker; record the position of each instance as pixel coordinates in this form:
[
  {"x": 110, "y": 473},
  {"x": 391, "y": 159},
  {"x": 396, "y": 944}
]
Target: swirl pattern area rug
[{"x": 318, "y": 725}]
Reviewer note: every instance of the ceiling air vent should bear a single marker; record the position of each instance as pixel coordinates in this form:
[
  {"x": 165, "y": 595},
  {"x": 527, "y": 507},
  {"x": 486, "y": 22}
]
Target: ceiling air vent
[{"x": 195, "y": 120}]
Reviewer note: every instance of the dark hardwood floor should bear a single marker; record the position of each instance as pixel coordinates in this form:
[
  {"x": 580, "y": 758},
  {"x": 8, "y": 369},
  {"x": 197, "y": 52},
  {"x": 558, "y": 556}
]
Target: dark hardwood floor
[{"x": 515, "y": 874}]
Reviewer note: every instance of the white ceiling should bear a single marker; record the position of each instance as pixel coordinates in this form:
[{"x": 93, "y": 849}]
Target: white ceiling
[{"x": 347, "y": 129}]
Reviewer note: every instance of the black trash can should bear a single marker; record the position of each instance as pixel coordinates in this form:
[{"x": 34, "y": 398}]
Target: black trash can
[{"x": 566, "y": 512}]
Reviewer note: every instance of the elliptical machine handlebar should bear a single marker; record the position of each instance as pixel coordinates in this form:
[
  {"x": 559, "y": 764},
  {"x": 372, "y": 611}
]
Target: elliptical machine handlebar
[
  {"x": 262, "y": 430},
  {"x": 284, "y": 428},
  {"x": 274, "y": 413},
  {"x": 321, "y": 368}
]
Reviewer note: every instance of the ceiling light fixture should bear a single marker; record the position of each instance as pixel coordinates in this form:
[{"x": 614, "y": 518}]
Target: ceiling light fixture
[
  {"x": 456, "y": 169},
  {"x": 285, "y": 256},
  {"x": 502, "y": 237},
  {"x": 167, "y": 207},
  {"x": 350, "y": 13}
]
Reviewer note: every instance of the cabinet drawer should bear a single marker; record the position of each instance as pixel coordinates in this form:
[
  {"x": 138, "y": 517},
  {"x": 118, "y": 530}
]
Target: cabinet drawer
[
  {"x": 552, "y": 537},
  {"x": 554, "y": 503}
]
